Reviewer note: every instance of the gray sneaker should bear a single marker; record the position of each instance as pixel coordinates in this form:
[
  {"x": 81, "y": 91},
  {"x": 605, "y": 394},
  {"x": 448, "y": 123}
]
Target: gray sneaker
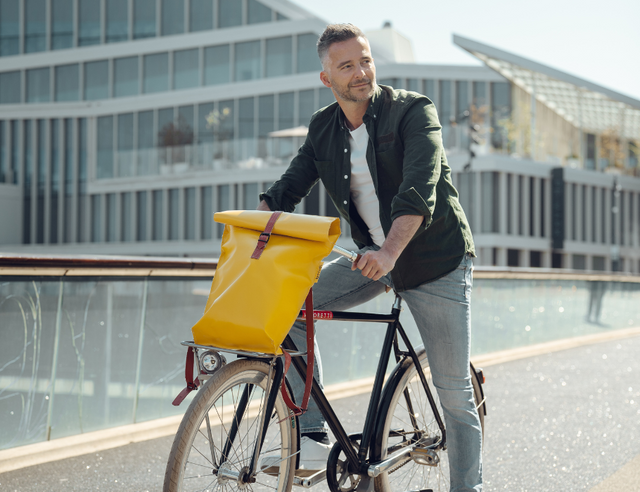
[{"x": 313, "y": 457}]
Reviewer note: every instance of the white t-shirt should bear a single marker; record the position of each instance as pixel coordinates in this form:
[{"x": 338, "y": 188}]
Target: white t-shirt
[{"x": 363, "y": 193}]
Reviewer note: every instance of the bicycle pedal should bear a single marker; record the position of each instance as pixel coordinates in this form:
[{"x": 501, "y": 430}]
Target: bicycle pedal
[{"x": 308, "y": 478}]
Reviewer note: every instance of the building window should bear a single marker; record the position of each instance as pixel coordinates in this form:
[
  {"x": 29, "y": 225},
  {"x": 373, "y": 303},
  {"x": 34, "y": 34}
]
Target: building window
[
  {"x": 67, "y": 83},
  {"x": 190, "y": 213},
  {"x": 250, "y": 196},
  {"x": 279, "y": 56},
  {"x": 513, "y": 257},
  {"x": 217, "y": 65},
  {"x": 9, "y": 27},
  {"x": 96, "y": 80},
  {"x": 146, "y": 143},
  {"x": 598, "y": 263},
  {"x": 590, "y": 158},
  {"x": 38, "y": 85},
  {"x": 200, "y": 15},
  {"x": 88, "y": 22},
  {"x": 325, "y": 97},
  {"x": 105, "y": 147},
  {"x": 247, "y": 60},
  {"x": 245, "y": 119},
  {"x": 186, "y": 70},
  {"x": 111, "y": 217},
  {"x": 229, "y": 13},
  {"x": 429, "y": 89},
  {"x": 126, "y": 217},
  {"x": 96, "y": 219},
  {"x": 144, "y": 19},
  {"x": 172, "y": 17},
  {"x": 224, "y": 203},
  {"x": 500, "y": 111},
  {"x": 61, "y": 24},
  {"x": 207, "y": 212},
  {"x": 35, "y": 26},
  {"x": 10, "y": 84},
  {"x": 579, "y": 262},
  {"x": 412, "y": 85},
  {"x": 125, "y": 144},
  {"x": 125, "y": 76},
  {"x": 257, "y": 12},
  {"x": 157, "y": 215},
  {"x": 3, "y": 150},
  {"x": 156, "y": 73},
  {"x": 535, "y": 259},
  {"x": 174, "y": 213},
  {"x": 117, "y": 22},
  {"x": 141, "y": 206},
  {"x": 306, "y": 106},
  {"x": 265, "y": 115},
  {"x": 307, "y": 54}
]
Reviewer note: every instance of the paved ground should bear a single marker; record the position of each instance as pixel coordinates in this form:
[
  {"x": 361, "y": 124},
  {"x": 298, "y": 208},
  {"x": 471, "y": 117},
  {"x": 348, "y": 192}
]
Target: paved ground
[{"x": 560, "y": 422}]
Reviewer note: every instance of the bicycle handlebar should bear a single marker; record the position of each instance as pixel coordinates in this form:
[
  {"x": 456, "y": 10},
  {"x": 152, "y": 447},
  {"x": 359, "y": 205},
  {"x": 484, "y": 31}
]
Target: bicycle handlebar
[{"x": 352, "y": 256}]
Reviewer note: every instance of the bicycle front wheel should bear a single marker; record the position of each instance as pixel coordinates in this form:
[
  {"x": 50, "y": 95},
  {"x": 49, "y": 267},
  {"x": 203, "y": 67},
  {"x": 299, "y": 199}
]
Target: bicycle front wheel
[
  {"x": 409, "y": 419},
  {"x": 215, "y": 443}
]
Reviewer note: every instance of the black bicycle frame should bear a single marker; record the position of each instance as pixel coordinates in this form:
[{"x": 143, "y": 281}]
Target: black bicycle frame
[{"x": 357, "y": 459}]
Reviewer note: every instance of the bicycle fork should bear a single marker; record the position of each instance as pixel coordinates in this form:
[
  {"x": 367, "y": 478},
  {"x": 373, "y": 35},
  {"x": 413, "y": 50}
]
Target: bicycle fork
[{"x": 247, "y": 474}]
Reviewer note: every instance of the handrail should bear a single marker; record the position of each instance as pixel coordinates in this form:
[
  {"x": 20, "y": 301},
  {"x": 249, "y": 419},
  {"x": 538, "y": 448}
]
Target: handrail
[
  {"x": 153, "y": 266},
  {"x": 94, "y": 265}
]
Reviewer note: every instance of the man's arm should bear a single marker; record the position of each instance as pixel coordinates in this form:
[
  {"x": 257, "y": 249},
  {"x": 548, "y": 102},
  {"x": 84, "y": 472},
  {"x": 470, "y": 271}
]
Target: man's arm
[
  {"x": 263, "y": 206},
  {"x": 376, "y": 264}
]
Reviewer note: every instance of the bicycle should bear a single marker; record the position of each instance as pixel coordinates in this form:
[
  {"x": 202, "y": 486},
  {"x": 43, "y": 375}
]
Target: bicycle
[{"x": 239, "y": 415}]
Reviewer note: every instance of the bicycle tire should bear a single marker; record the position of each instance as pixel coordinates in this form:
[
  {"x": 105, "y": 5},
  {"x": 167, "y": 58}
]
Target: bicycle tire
[
  {"x": 395, "y": 417},
  {"x": 195, "y": 455}
]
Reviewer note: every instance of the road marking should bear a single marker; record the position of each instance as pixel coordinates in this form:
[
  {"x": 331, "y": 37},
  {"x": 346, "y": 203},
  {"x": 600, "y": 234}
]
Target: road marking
[{"x": 626, "y": 478}]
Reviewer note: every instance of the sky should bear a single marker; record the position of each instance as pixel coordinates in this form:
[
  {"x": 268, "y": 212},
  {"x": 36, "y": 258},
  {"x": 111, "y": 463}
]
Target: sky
[{"x": 597, "y": 41}]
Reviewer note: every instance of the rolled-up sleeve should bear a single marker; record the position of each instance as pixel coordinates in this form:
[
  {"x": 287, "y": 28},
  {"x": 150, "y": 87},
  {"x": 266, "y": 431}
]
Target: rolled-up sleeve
[
  {"x": 422, "y": 137},
  {"x": 295, "y": 183}
]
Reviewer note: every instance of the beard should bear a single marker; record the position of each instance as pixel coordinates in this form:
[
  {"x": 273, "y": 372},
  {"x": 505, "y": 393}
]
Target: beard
[{"x": 347, "y": 94}]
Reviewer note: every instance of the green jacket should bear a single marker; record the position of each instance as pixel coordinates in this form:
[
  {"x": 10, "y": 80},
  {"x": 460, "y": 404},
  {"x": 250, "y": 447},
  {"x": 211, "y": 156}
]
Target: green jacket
[{"x": 410, "y": 175}]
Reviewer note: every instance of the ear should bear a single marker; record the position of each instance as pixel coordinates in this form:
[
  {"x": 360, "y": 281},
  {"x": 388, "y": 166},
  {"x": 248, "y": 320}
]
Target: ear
[{"x": 325, "y": 79}]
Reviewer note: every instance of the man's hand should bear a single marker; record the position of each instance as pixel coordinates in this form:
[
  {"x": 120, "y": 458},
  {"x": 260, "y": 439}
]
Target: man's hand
[
  {"x": 376, "y": 264},
  {"x": 263, "y": 206}
]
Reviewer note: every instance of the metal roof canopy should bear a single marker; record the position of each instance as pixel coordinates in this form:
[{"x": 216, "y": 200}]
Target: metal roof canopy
[{"x": 586, "y": 105}]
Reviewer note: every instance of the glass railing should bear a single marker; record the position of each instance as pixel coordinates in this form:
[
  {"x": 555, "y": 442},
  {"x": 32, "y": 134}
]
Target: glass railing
[
  {"x": 238, "y": 154},
  {"x": 92, "y": 343}
]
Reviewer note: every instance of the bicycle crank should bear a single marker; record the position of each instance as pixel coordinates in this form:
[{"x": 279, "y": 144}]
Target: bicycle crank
[{"x": 426, "y": 457}]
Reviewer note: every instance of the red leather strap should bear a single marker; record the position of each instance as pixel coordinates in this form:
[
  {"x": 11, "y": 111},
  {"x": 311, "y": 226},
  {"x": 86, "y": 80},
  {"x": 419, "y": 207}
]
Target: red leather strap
[
  {"x": 265, "y": 235},
  {"x": 192, "y": 384},
  {"x": 299, "y": 410}
]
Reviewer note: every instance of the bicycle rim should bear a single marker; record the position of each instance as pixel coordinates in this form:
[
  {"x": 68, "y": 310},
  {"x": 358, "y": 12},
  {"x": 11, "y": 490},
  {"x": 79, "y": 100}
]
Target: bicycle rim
[
  {"x": 196, "y": 461},
  {"x": 399, "y": 430}
]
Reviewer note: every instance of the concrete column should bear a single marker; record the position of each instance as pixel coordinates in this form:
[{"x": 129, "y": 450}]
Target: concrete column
[
  {"x": 626, "y": 223},
  {"x": 515, "y": 204},
  {"x": 526, "y": 206},
  {"x": 568, "y": 211},
  {"x": 607, "y": 216},
  {"x": 502, "y": 257},
  {"x": 502, "y": 207},
  {"x": 578, "y": 212},
  {"x": 524, "y": 258},
  {"x": 477, "y": 202}
]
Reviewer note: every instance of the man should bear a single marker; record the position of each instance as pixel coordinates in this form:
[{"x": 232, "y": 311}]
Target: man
[{"x": 379, "y": 154}]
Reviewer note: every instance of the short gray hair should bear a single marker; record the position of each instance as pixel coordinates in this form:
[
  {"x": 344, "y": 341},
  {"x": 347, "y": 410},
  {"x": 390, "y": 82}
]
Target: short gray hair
[{"x": 336, "y": 33}]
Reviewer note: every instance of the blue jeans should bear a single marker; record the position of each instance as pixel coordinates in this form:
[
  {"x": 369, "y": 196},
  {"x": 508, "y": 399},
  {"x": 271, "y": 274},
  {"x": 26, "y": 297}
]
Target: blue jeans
[{"x": 441, "y": 310}]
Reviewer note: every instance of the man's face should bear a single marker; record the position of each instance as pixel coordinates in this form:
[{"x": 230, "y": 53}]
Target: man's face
[{"x": 349, "y": 70}]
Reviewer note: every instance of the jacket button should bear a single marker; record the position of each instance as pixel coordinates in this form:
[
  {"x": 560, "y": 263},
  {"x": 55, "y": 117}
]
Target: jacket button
[
  {"x": 346, "y": 177},
  {"x": 345, "y": 151},
  {"x": 345, "y": 202}
]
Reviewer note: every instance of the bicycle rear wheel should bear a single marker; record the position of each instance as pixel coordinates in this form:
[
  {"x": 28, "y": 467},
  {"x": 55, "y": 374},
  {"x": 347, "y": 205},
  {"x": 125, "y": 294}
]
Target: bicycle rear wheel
[
  {"x": 399, "y": 430},
  {"x": 196, "y": 461}
]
